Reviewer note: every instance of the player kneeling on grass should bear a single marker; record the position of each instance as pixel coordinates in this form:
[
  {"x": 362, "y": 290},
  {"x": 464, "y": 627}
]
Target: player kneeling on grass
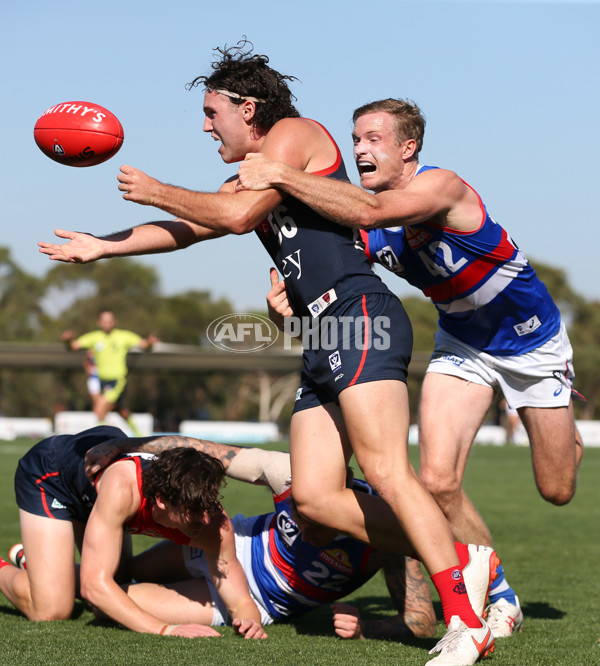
[
  {"x": 174, "y": 495},
  {"x": 292, "y": 566}
]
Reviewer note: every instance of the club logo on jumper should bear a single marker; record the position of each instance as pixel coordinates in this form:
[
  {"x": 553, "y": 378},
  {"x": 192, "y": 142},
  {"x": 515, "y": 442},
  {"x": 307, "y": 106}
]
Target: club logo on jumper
[
  {"x": 528, "y": 326},
  {"x": 335, "y": 361},
  {"x": 322, "y": 303},
  {"x": 57, "y": 505},
  {"x": 444, "y": 357},
  {"x": 242, "y": 333}
]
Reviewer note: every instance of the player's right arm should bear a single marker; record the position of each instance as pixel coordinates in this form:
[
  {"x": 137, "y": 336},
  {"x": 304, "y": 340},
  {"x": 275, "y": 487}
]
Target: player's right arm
[
  {"x": 437, "y": 194},
  {"x": 149, "y": 238}
]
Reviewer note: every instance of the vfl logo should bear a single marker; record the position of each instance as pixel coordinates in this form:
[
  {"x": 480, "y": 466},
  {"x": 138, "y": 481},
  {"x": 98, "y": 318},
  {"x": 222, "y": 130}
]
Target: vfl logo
[
  {"x": 288, "y": 530},
  {"x": 388, "y": 258},
  {"x": 242, "y": 333},
  {"x": 335, "y": 362}
]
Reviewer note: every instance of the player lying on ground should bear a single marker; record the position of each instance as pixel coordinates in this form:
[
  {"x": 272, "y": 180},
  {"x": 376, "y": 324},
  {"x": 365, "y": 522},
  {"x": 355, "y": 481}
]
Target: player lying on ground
[
  {"x": 291, "y": 566},
  {"x": 174, "y": 496}
]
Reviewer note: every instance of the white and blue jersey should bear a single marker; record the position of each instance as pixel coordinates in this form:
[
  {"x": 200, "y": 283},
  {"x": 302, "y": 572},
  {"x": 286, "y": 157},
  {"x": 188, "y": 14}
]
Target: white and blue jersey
[
  {"x": 289, "y": 576},
  {"x": 486, "y": 292}
]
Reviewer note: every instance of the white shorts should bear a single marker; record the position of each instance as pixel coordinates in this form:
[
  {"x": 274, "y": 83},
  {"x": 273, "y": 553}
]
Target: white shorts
[
  {"x": 93, "y": 385},
  {"x": 197, "y": 565},
  {"x": 540, "y": 378}
]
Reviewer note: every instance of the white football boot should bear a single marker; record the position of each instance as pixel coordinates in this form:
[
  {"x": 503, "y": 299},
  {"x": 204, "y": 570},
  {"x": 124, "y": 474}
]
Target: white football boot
[
  {"x": 462, "y": 646},
  {"x": 479, "y": 574},
  {"x": 504, "y": 618}
]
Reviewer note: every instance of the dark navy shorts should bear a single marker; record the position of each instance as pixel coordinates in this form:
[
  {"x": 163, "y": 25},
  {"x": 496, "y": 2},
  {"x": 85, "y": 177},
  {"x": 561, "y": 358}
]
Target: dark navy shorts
[
  {"x": 39, "y": 486},
  {"x": 366, "y": 339}
]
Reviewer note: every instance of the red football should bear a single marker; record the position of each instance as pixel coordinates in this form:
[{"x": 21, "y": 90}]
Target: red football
[{"x": 78, "y": 134}]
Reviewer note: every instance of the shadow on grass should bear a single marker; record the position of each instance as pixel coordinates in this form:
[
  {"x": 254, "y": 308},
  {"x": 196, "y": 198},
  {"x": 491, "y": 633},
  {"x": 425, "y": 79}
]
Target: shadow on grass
[
  {"x": 319, "y": 622},
  {"x": 540, "y": 610}
]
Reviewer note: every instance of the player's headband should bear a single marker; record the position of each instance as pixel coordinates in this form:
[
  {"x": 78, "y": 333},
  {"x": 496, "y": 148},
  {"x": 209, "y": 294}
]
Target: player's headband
[{"x": 228, "y": 93}]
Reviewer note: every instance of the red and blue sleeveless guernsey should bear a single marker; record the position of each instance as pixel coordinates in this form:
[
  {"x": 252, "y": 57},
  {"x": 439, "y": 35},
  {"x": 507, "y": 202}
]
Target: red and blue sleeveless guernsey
[
  {"x": 486, "y": 291},
  {"x": 293, "y": 576},
  {"x": 322, "y": 262}
]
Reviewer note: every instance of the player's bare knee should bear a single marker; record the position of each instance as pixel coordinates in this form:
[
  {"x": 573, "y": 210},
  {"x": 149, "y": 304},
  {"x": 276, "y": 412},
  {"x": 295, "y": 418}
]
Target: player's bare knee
[
  {"x": 557, "y": 494},
  {"x": 50, "y": 614},
  {"x": 310, "y": 508},
  {"x": 444, "y": 489}
]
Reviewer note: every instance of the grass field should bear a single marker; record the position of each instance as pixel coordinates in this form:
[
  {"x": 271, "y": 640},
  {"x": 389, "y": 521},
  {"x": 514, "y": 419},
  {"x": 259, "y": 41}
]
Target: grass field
[{"x": 550, "y": 555}]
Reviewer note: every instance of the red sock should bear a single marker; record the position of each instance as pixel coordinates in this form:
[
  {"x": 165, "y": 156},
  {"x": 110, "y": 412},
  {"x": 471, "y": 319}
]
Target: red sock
[
  {"x": 4, "y": 563},
  {"x": 453, "y": 595},
  {"x": 462, "y": 550}
]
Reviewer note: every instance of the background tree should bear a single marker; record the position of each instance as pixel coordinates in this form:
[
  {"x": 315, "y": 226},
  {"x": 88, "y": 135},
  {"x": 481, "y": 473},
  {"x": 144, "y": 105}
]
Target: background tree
[{"x": 40, "y": 309}]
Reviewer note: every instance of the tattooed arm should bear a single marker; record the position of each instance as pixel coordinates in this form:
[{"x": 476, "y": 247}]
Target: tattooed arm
[
  {"x": 252, "y": 465},
  {"x": 410, "y": 595}
]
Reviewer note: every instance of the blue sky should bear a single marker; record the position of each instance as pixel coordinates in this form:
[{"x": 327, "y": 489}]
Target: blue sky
[{"x": 510, "y": 91}]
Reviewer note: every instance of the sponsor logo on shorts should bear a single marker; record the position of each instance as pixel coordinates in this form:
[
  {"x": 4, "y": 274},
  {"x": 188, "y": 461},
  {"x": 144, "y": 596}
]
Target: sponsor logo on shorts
[
  {"x": 444, "y": 357},
  {"x": 57, "y": 505},
  {"x": 322, "y": 303},
  {"x": 298, "y": 394},
  {"x": 242, "y": 333},
  {"x": 335, "y": 361},
  {"x": 528, "y": 326}
]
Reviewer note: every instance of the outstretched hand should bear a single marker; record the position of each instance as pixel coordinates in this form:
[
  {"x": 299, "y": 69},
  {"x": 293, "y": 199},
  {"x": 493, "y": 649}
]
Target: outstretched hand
[
  {"x": 256, "y": 172},
  {"x": 249, "y": 629},
  {"x": 137, "y": 186},
  {"x": 346, "y": 621},
  {"x": 80, "y": 249}
]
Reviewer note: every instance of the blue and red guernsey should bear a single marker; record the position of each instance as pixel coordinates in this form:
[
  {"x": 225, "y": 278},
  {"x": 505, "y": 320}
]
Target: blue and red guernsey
[
  {"x": 293, "y": 576},
  {"x": 486, "y": 292}
]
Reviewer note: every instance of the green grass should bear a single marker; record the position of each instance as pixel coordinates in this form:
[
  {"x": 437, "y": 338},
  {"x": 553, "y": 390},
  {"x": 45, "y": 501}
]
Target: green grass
[{"x": 550, "y": 556}]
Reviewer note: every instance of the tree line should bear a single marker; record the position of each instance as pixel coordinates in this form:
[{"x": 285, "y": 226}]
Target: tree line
[{"x": 38, "y": 310}]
